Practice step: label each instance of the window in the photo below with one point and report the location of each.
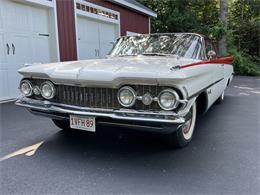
(210, 46)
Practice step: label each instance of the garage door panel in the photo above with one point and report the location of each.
(22, 27)
(87, 50)
(95, 38)
(81, 28)
(21, 14)
(107, 32)
(88, 38)
(40, 23)
(13, 83)
(3, 50)
(107, 37)
(21, 50)
(105, 48)
(87, 29)
(40, 50)
(1, 16)
(4, 93)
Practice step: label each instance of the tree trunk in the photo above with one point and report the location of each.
(222, 45)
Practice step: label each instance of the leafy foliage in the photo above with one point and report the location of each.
(202, 16)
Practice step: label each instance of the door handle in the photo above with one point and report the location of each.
(13, 48)
(8, 48)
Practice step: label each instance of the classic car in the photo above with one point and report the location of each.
(153, 82)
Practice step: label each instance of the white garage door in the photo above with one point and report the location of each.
(95, 38)
(24, 38)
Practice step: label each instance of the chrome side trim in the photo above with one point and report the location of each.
(122, 114)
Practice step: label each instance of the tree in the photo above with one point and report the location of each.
(234, 26)
(222, 45)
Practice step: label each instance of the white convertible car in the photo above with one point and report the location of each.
(154, 82)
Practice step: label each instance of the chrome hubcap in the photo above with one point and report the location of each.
(186, 126)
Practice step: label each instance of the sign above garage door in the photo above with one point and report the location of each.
(97, 30)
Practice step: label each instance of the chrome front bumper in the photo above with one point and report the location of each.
(62, 111)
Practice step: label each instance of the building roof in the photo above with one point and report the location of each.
(135, 5)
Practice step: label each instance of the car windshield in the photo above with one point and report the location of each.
(182, 45)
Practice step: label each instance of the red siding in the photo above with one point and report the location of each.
(129, 19)
(66, 29)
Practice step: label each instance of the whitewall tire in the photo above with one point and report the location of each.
(183, 135)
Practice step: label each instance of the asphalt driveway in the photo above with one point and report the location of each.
(224, 157)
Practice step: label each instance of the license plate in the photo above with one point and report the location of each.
(83, 122)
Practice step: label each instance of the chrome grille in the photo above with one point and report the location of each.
(95, 97)
(87, 96)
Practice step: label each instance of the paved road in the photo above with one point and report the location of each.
(224, 156)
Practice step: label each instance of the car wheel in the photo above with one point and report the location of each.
(184, 133)
(62, 124)
(221, 98)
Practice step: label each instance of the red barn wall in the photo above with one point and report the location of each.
(66, 30)
(129, 19)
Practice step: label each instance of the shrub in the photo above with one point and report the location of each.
(245, 64)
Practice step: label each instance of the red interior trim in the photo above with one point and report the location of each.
(224, 60)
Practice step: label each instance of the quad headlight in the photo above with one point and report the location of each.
(126, 96)
(26, 88)
(168, 99)
(47, 90)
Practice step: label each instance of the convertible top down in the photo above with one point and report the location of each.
(155, 82)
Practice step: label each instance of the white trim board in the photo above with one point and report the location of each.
(95, 16)
(137, 8)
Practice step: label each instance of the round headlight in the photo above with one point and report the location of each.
(126, 96)
(168, 99)
(47, 90)
(26, 88)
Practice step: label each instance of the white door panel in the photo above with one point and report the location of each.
(20, 50)
(3, 68)
(25, 29)
(88, 39)
(20, 47)
(107, 37)
(16, 17)
(40, 52)
(1, 16)
(13, 83)
(4, 93)
(95, 38)
(3, 50)
(87, 50)
(40, 23)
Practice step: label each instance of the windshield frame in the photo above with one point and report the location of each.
(198, 55)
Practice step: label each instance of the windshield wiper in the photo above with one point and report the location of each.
(127, 55)
(157, 54)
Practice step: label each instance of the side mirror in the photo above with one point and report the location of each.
(211, 54)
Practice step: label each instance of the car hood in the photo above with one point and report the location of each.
(111, 71)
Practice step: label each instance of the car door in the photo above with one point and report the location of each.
(216, 74)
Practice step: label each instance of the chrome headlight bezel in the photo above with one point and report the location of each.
(53, 90)
(132, 91)
(174, 104)
(30, 86)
